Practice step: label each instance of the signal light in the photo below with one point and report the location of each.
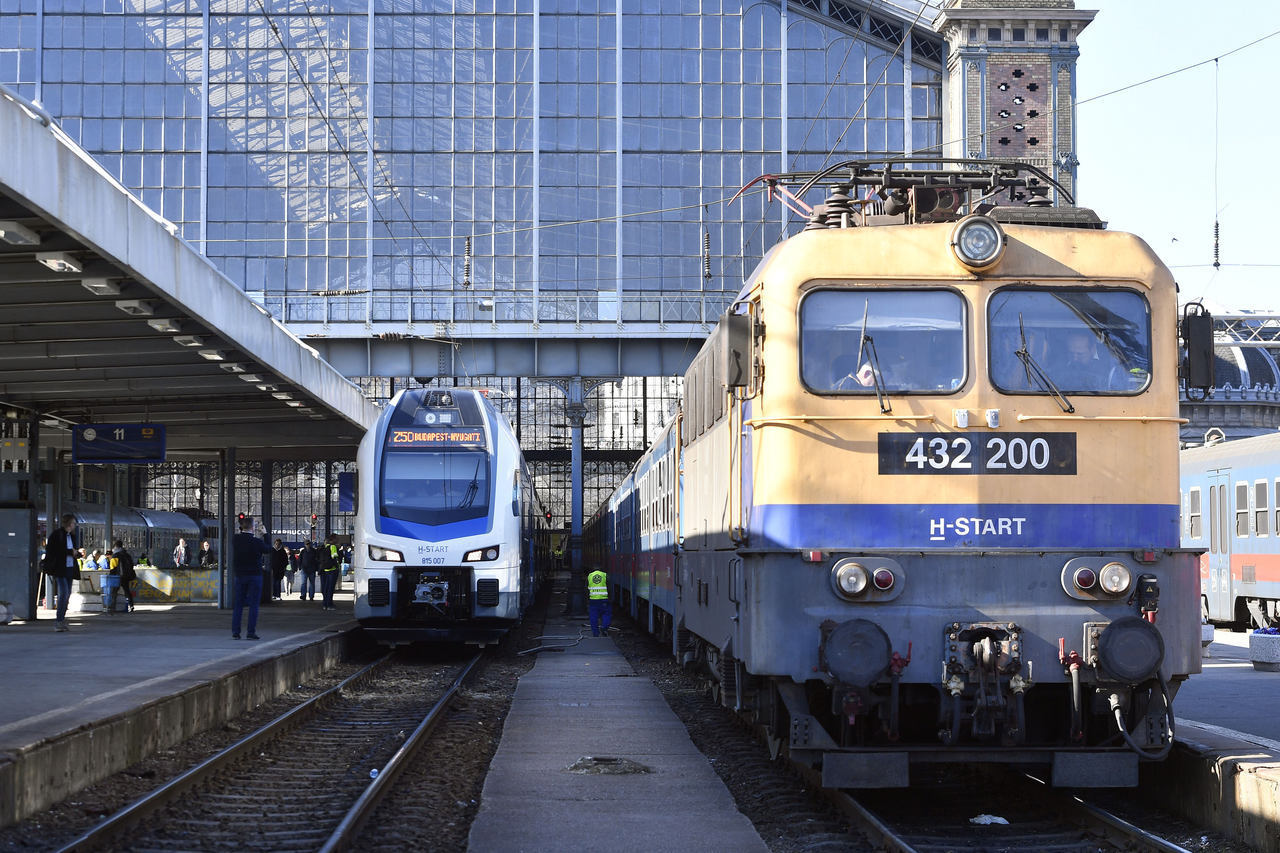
(241, 516)
(313, 518)
(548, 516)
(883, 579)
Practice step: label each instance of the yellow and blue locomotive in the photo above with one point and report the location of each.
(924, 502)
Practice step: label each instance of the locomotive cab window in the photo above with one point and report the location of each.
(1078, 341)
(903, 341)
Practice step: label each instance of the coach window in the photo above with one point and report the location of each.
(1261, 509)
(1242, 509)
(1083, 341)
(1194, 523)
(905, 341)
(1276, 505)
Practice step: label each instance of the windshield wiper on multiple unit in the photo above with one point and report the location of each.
(473, 488)
(868, 344)
(1036, 372)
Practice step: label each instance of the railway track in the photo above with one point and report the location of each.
(957, 816)
(305, 781)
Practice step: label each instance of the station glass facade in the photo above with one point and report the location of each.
(335, 157)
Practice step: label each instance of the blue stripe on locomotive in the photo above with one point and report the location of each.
(1038, 526)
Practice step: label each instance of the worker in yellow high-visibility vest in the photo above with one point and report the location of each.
(598, 597)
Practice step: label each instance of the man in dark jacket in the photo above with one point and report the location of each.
(247, 552)
(309, 563)
(279, 565)
(60, 564)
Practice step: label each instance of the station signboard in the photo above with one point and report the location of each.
(128, 444)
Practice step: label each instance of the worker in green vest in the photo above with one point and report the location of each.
(598, 594)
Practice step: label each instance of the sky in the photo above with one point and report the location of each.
(1147, 155)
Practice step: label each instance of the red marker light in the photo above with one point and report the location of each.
(883, 579)
(812, 556)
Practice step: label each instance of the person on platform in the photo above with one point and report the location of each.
(598, 602)
(330, 565)
(122, 565)
(180, 554)
(309, 563)
(247, 552)
(60, 564)
(279, 565)
(205, 558)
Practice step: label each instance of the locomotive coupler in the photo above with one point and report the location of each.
(985, 655)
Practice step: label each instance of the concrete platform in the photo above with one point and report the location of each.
(1224, 771)
(78, 706)
(593, 758)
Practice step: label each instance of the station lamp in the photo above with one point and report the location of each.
(18, 235)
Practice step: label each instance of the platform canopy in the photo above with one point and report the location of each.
(107, 317)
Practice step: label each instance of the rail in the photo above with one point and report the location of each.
(134, 813)
(345, 834)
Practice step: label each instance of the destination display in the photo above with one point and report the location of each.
(416, 437)
(129, 444)
(977, 453)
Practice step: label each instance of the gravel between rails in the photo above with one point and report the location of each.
(789, 816)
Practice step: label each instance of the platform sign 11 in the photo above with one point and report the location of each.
(129, 444)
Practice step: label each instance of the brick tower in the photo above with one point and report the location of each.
(1011, 81)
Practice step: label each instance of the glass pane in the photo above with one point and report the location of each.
(908, 341)
(437, 487)
(1083, 341)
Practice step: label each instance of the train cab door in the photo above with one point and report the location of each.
(1221, 529)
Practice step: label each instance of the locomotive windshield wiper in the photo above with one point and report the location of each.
(865, 342)
(1036, 372)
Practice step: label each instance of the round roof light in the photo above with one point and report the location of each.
(978, 242)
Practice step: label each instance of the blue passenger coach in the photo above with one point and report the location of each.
(450, 537)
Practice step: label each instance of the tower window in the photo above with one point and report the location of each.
(1031, 87)
(1019, 34)
(1018, 99)
(993, 34)
(1003, 87)
(1004, 114)
(1004, 140)
(1062, 34)
(1033, 140)
(1017, 72)
(1042, 34)
(1032, 113)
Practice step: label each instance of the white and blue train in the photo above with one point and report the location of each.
(450, 538)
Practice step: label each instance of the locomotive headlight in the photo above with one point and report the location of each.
(1115, 578)
(978, 242)
(385, 555)
(849, 578)
(481, 555)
